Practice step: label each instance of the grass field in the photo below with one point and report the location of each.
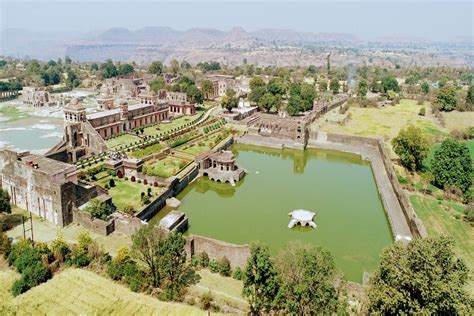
(81, 292)
(166, 167)
(445, 218)
(147, 151)
(458, 120)
(125, 139)
(127, 192)
(201, 145)
(165, 127)
(385, 122)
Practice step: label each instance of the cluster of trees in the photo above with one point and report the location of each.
(109, 69)
(36, 262)
(300, 280)
(268, 96)
(51, 73)
(10, 86)
(187, 85)
(451, 165)
(423, 277)
(209, 66)
(301, 99)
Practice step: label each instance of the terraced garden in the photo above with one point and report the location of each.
(128, 193)
(122, 140)
(166, 167)
(174, 124)
(205, 144)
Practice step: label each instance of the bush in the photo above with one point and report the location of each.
(133, 179)
(206, 301)
(203, 259)
(111, 183)
(469, 213)
(237, 274)
(24, 257)
(128, 209)
(19, 286)
(422, 112)
(224, 267)
(98, 209)
(36, 274)
(213, 266)
(5, 245)
(139, 181)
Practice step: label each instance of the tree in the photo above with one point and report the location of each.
(5, 206)
(390, 83)
(277, 86)
(156, 68)
(108, 69)
(412, 147)
(470, 95)
(268, 101)
(68, 60)
(323, 85)
(207, 88)
(452, 165)
(312, 70)
(422, 278)
(425, 87)
(157, 84)
(174, 65)
(256, 94)
(334, 86)
(98, 209)
(125, 69)
(94, 67)
(146, 247)
(194, 94)
(260, 279)
(446, 99)
(362, 88)
(256, 82)
(229, 103)
(307, 275)
(224, 267)
(295, 103)
(176, 274)
(308, 94)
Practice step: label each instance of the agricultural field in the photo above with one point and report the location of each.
(385, 122)
(122, 140)
(126, 192)
(166, 167)
(76, 291)
(445, 218)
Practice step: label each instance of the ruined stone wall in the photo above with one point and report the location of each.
(127, 226)
(237, 254)
(94, 224)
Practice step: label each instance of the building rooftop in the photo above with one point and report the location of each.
(47, 165)
(115, 111)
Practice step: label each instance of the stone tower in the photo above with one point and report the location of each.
(74, 115)
(124, 110)
(105, 100)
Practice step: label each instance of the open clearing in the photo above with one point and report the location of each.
(385, 122)
(439, 218)
(81, 292)
(458, 120)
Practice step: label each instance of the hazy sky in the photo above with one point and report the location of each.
(438, 20)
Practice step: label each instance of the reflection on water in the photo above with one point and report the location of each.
(338, 187)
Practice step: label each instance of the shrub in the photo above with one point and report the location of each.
(126, 178)
(106, 186)
(25, 257)
(19, 286)
(206, 301)
(155, 184)
(422, 112)
(139, 181)
(224, 267)
(111, 183)
(60, 248)
(469, 213)
(128, 209)
(145, 182)
(213, 265)
(203, 259)
(133, 179)
(5, 244)
(36, 274)
(146, 200)
(237, 274)
(98, 209)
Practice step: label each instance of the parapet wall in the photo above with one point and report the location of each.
(94, 224)
(237, 254)
(416, 227)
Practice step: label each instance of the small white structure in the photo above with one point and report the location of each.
(302, 217)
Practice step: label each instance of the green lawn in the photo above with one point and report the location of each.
(445, 218)
(165, 127)
(155, 148)
(124, 139)
(127, 192)
(385, 122)
(166, 167)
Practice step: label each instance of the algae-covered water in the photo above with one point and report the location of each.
(338, 187)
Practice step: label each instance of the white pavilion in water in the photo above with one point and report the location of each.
(302, 217)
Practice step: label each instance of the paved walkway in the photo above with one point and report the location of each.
(394, 211)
